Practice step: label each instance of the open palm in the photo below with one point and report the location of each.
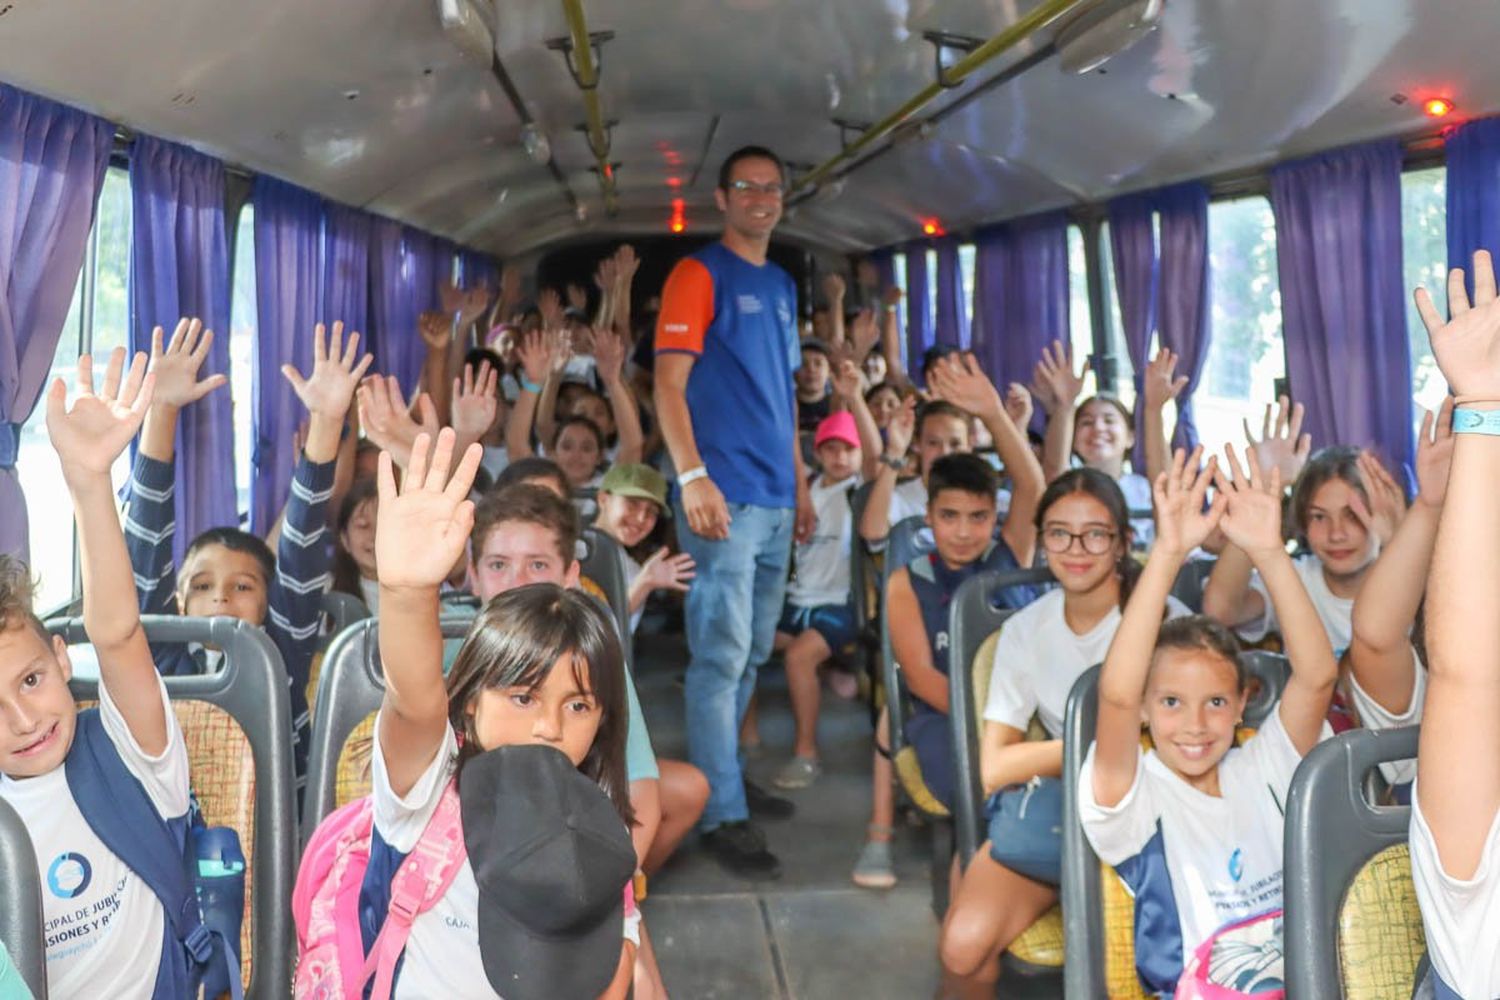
(90, 436)
(175, 364)
(1182, 522)
(1467, 347)
(1253, 518)
(424, 525)
(337, 369)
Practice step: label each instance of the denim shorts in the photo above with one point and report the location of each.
(834, 622)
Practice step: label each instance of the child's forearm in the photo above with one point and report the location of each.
(1392, 590)
(411, 654)
(1122, 682)
(110, 613)
(159, 433)
(1020, 762)
(1154, 441)
(627, 419)
(874, 522)
(1057, 442)
(1228, 587)
(518, 427)
(869, 437)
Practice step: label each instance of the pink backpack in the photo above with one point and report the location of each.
(332, 964)
(1242, 959)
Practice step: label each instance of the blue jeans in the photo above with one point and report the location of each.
(732, 610)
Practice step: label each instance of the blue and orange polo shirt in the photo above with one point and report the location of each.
(739, 320)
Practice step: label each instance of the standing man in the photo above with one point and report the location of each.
(726, 348)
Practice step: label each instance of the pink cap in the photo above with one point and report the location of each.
(838, 427)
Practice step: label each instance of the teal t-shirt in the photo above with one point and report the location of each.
(640, 759)
(12, 986)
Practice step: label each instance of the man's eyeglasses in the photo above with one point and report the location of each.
(1095, 541)
(775, 188)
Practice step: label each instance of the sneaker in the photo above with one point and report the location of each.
(843, 684)
(765, 805)
(873, 869)
(799, 772)
(741, 849)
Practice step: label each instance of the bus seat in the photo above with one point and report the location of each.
(21, 903)
(341, 610)
(1348, 875)
(1188, 587)
(1098, 910)
(349, 695)
(237, 727)
(602, 564)
(901, 548)
(862, 577)
(973, 632)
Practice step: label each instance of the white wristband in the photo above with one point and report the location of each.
(692, 475)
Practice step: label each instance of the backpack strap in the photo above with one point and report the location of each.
(120, 812)
(422, 879)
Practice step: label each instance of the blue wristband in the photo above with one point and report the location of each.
(530, 386)
(1476, 422)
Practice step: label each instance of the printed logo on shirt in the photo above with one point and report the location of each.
(675, 327)
(69, 875)
(750, 305)
(1237, 864)
(783, 312)
(941, 641)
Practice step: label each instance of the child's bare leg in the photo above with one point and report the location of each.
(684, 793)
(803, 657)
(992, 907)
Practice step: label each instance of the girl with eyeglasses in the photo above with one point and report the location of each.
(1084, 531)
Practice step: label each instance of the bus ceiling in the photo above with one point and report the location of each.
(518, 125)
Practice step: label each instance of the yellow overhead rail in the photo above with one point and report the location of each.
(1043, 16)
(586, 75)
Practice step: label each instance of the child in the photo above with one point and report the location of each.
(354, 570)
(818, 619)
(1196, 809)
(226, 571)
(540, 666)
(1043, 649)
(1455, 816)
(1100, 432)
(961, 513)
(124, 949)
(632, 498)
(814, 400)
(1345, 508)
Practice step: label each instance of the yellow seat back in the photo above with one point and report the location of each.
(1380, 940)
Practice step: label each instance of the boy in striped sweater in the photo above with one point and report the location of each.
(226, 571)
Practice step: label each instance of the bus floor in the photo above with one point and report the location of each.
(811, 934)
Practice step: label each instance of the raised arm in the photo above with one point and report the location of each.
(1162, 385)
(1057, 389)
(559, 353)
(960, 381)
(1458, 766)
(1253, 524)
(847, 387)
(609, 357)
(1182, 523)
(890, 336)
(626, 264)
(663, 571)
(833, 293)
(534, 354)
(1381, 654)
(88, 438)
(421, 533)
(388, 422)
(875, 522)
(476, 404)
(436, 331)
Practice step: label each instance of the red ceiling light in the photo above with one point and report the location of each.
(1437, 107)
(678, 222)
(931, 227)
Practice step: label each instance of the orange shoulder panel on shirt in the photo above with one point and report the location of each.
(687, 308)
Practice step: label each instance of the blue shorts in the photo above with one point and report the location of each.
(834, 622)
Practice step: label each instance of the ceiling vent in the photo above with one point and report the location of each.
(1103, 31)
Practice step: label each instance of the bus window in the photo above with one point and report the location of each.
(1424, 251)
(242, 352)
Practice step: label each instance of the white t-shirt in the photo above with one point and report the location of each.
(1459, 916)
(370, 591)
(103, 925)
(632, 570)
(1038, 658)
(1137, 490)
(1337, 613)
(1223, 854)
(1373, 716)
(822, 562)
(442, 955)
(496, 460)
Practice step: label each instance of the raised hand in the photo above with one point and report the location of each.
(609, 354)
(424, 526)
(902, 427)
(1160, 385)
(436, 329)
(891, 297)
(451, 298)
(848, 382)
(626, 263)
(476, 401)
(864, 333)
(386, 421)
(1182, 522)
(959, 380)
(472, 304)
(336, 372)
(1387, 506)
(559, 350)
(549, 304)
(833, 289)
(578, 297)
(1018, 405)
(1055, 385)
(1467, 347)
(89, 437)
(605, 274)
(1435, 455)
(1282, 445)
(176, 365)
(1253, 518)
(535, 352)
(664, 571)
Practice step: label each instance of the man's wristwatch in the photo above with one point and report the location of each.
(897, 464)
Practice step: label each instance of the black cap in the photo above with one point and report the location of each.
(552, 859)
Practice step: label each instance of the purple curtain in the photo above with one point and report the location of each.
(1184, 304)
(1473, 151)
(952, 313)
(479, 269)
(179, 266)
(393, 310)
(1132, 242)
(288, 266)
(1020, 295)
(1338, 248)
(52, 162)
(346, 269)
(919, 334)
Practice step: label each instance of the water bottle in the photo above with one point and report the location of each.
(220, 885)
